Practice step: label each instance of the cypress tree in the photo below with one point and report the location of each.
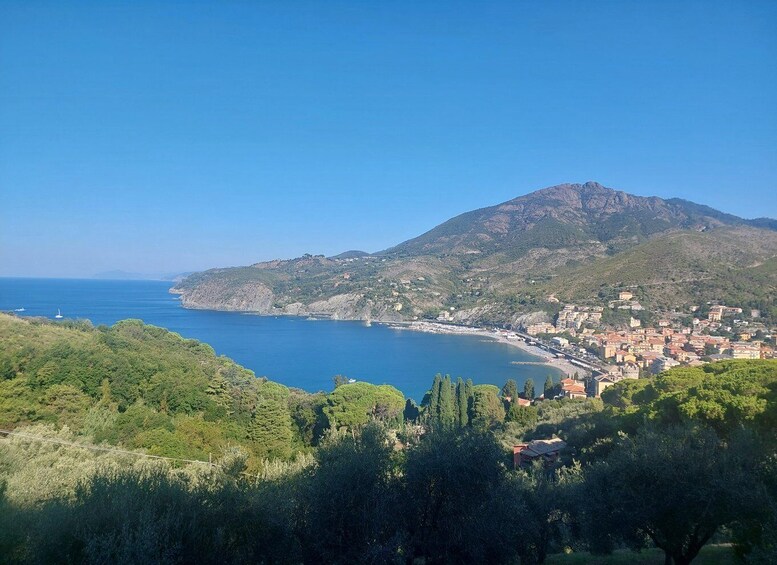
(462, 403)
(434, 399)
(469, 393)
(447, 407)
(528, 389)
(548, 390)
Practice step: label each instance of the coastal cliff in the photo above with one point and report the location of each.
(258, 298)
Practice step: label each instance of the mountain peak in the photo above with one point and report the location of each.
(570, 191)
(562, 216)
(584, 190)
(589, 197)
(590, 185)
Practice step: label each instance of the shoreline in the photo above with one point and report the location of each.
(563, 365)
(544, 358)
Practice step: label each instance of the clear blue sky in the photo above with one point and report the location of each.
(170, 136)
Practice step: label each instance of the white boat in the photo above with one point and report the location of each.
(19, 309)
(59, 314)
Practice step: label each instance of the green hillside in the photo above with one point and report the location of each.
(143, 387)
(681, 464)
(733, 265)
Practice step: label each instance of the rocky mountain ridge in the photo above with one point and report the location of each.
(584, 212)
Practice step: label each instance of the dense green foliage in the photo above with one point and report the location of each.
(358, 474)
(143, 387)
(356, 404)
(360, 502)
(724, 396)
(675, 487)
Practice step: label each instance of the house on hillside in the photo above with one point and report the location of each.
(715, 314)
(625, 357)
(570, 388)
(601, 382)
(630, 371)
(662, 364)
(545, 450)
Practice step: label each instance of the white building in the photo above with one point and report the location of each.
(560, 341)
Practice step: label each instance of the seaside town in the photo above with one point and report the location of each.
(594, 356)
(725, 332)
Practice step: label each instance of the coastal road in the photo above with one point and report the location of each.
(594, 368)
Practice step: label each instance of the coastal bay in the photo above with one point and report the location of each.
(292, 350)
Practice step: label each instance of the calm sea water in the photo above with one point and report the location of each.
(294, 351)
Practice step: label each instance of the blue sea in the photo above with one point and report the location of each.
(294, 351)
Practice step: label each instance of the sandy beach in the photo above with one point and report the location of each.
(543, 356)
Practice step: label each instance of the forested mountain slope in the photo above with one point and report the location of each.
(496, 263)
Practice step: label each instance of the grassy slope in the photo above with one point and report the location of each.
(682, 268)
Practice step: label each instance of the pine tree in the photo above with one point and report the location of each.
(340, 380)
(270, 429)
(219, 390)
(462, 403)
(411, 411)
(510, 390)
(488, 408)
(447, 408)
(528, 389)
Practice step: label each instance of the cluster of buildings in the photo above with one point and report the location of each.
(574, 317)
(726, 332)
(571, 319)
